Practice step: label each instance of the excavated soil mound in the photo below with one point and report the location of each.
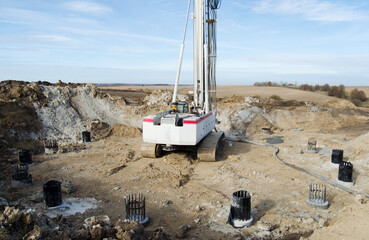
(120, 130)
(33, 112)
(158, 101)
(99, 129)
(252, 114)
(19, 223)
(17, 120)
(19, 91)
(339, 227)
(257, 124)
(337, 104)
(18, 117)
(70, 109)
(234, 99)
(158, 98)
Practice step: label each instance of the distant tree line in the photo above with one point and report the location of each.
(272, 84)
(356, 96)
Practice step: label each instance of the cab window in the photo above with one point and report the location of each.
(183, 108)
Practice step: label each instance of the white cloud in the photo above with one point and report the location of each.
(314, 10)
(232, 46)
(24, 16)
(81, 21)
(84, 6)
(53, 38)
(166, 12)
(122, 34)
(240, 5)
(9, 21)
(41, 19)
(230, 25)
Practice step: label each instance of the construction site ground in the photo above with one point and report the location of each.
(180, 190)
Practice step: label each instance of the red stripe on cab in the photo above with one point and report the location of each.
(148, 120)
(198, 120)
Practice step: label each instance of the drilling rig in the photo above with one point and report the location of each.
(191, 127)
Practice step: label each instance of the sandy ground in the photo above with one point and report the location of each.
(180, 190)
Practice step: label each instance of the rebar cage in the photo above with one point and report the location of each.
(136, 208)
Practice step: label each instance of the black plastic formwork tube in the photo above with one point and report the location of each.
(25, 156)
(337, 156)
(345, 171)
(136, 209)
(240, 212)
(52, 193)
(86, 136)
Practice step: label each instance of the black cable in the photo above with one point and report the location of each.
(215, 4)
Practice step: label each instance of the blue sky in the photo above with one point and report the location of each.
(303, 41)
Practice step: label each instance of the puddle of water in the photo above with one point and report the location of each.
(72, 206)
(274, 140)
(325, 152)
